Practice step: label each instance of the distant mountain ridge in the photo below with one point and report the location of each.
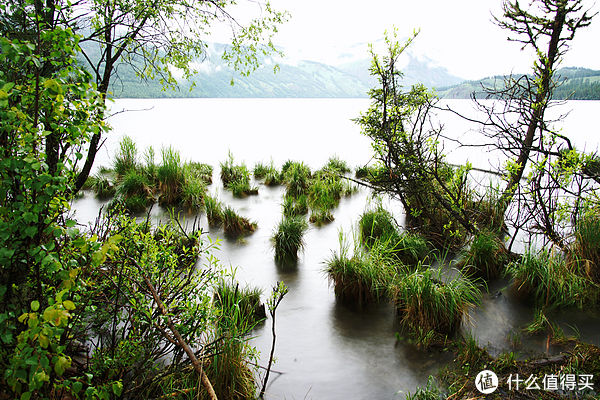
(575, 84)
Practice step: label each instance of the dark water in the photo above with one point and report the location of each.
(325, 350)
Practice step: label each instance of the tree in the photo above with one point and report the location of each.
(518, 124)
(153, 36)
(411, 165)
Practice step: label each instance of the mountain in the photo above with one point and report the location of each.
(575, 84)
(347, 78)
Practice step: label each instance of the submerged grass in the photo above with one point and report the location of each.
(288, 238)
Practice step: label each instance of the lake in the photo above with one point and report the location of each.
(325, 350)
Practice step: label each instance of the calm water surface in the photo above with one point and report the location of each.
(325, 350)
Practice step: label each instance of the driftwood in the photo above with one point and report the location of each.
(177, 336)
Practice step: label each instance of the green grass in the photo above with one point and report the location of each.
(171, 177)
(126, 158)
(246, 300)
(185, 245)
(425, 303)
(260, 170)
(362, 277)
(236, 178)
(102, 187)
(200, 171)
(214, 210)
(296, 176)
(335, 164)
(324, 195)
(273, 177)
(485, 257)
(551, 279)
(288, 238)
(235, 225)
(135, 191)
(586, 247)
(150, 169)
(295, 206)
(192, 195)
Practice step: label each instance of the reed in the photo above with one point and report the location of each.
(288, 238)
(586, 247)
(425, 303)
(192, 195)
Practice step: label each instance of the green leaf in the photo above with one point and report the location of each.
(61, 365)
(76, 387)
(35, 305)
(69, 305)
(117, 388)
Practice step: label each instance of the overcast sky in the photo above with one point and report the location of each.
(456, 34)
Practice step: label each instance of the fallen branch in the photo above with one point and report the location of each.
(180, 341)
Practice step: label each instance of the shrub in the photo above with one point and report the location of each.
(287, 238)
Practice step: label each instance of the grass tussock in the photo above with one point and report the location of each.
(102, 186)
(361, 277)
(295, 206)
(288, 238)
(551, 279)
(335, 164)
(236, 178)
(245, 299)
(235, 225)
(485, 257)
(126, 158)
(214, 210)
(586, 247)
(378, 225)
(171, 177)
(135, 192)
(425, 303)
(296, 176)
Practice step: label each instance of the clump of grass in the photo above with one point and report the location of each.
(192, 195)
(246, 300)
(323, 196)
(335, 164)
(126, 158)
(485, 257)
(430, 392)
(135, 192)
(273, 177)
(236, 178)
(586, 247)
(378, 225)
(102, 186)
(229, 369)
(287, 238)
(200, 171)
(361, 277)
(425, 303)
(551, 279)
(296, 176)
(235, 225)
(150, 169)
(260, 170)
(214, 210)
(295, 206)
(171, 177)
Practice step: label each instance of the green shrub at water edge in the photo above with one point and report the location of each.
(288, 237)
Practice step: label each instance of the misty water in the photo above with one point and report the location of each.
(324, 350)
